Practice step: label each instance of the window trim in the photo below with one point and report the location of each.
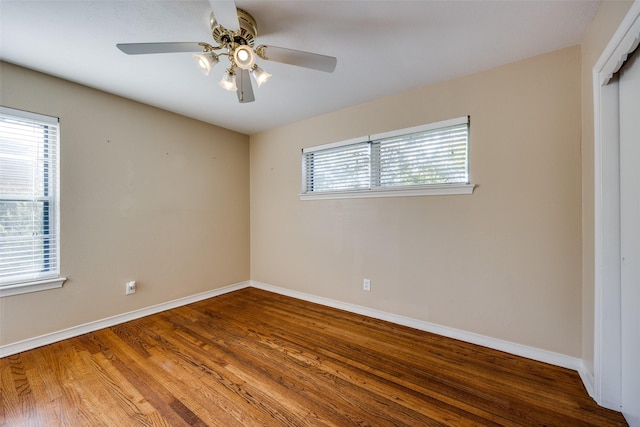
(422, 190)
(41, 282)
(400, 191)
(27, 287)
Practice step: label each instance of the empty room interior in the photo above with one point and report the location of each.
(258, 256)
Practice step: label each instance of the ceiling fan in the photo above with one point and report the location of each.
(235, 31)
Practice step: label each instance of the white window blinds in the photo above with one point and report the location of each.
(428, 157)
(433, 154)
(29, 240)
(339, 169)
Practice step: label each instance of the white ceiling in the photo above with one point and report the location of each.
(383, 47)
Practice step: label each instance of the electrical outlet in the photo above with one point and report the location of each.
(366, 284)
(130, 287)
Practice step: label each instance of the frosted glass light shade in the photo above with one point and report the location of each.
(260, 75)
(206, 61)
(244, 57)
(228, 81)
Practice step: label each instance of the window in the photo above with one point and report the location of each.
(29, 239)
(428, 159)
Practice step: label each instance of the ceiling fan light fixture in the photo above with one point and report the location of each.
(244, 57)
(206, 61)
(235, 30)
(228, 81)
(260, 75)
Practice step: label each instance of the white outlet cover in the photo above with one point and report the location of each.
(130, 287)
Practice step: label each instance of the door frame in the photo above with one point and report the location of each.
(607, 325)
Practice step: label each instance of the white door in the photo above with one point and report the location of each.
(629, 87)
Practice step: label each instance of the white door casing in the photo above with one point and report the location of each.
(608, 370)
(629, 96)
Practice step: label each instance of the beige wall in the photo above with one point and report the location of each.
(146, 195)
(503, 262)
(604, 24)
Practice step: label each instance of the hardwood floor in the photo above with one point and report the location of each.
(253, 358)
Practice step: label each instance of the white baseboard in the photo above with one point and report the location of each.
(31, 343)
(533, 353)
(588, 380)
(497, 344)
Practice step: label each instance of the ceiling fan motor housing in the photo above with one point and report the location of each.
(246, 35)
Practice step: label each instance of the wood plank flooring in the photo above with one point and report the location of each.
(254, 358)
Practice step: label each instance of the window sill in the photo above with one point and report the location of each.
(431, 190)
(24, 288)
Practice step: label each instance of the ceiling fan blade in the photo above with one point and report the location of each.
(298, 58)
(226, 13)
(245, 90)
(145, 48)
